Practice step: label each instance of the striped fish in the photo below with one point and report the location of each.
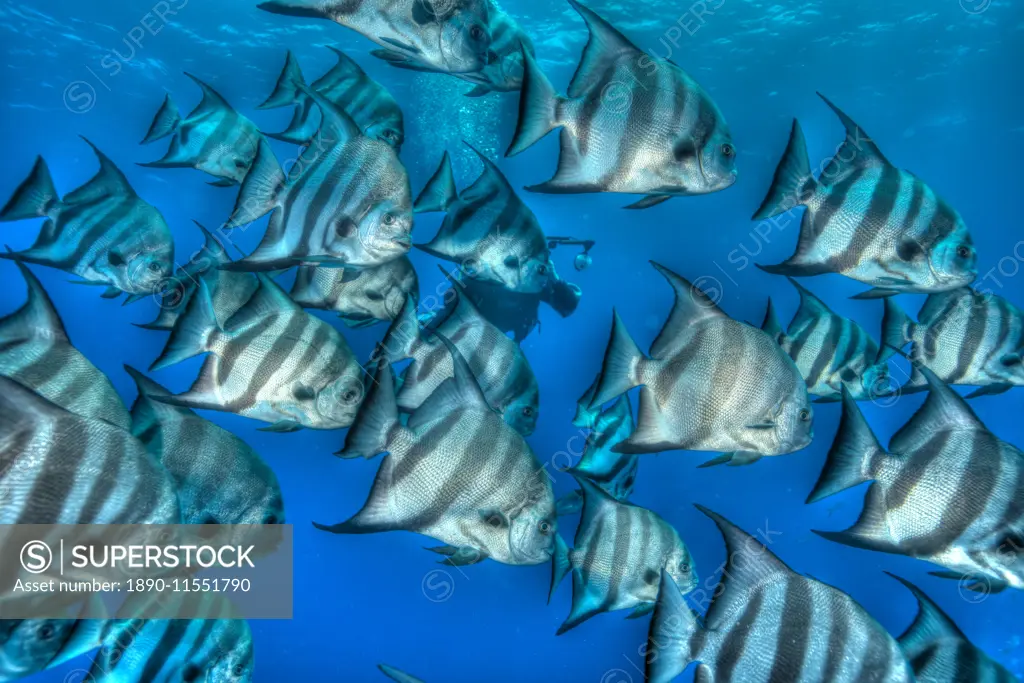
(621, 553)
(365, 100)
(456, 473)
(940, 652)
(103, 232)
(220, 479)
(57, 467)
(768, 623)
(964, 337)
(487, 230)
(345, 202)
(830, 351)
(213, 138)
(396, 675)
(36, 352)
(497, 362)
(630, 124)
(451, 36)
(359, 297)
(272, 362)
(504, 69)
(516, 312)
(868, 220)
(753, 401)
(28, 646)
(947, 491)
(174, 650)
(229, 290)
(614, 473)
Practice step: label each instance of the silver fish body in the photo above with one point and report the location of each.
(947, 491)
(55, 468)
(452, 37)
(869, 220)
(456, 473)
(213, 138)
(220, 479)
(940, 652)
(498, 363)
(710, 383)
(272, 362)
(614, 473)
(620, 553)
(359, 297)
(487, 230)
(630, 124)
(103, 231)
(28, 646)
(831, 352)
(366, 101)
(768, 623)
(964, 337)
(345, 202)
(36, 352)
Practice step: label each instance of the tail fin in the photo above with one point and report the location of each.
(793, 184)
(378, 415)
(771, 323)
(620, 371)
(35, 196)
(286, 91)
(192, 331)
(897, 330)
(850, 460)
(301, 129)
(538, 107)
(165, 122)
(440, 191)
(260, 188)
(672, 628)
(37, 314)
(402, 335)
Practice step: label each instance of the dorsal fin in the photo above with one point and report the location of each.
(811, 307)
(345, 68)
(212, 245)
(943, 410)
(749, 563)
(108, 180)
(336, 126)
(691, 306)
(605, 45)
(595, 501)
(462, 310)
(490, 180)
(857, 151)
(440, 192)
(37, 314)
(285, 90)
(931, 624)
(460, 392)
(212, 100)
(268, 299)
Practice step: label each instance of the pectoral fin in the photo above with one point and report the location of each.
(459, 557)
(641, 610)
(282, 426)
(649, 201)
(876, 293)
(990, 390)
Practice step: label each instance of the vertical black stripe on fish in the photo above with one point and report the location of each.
(317, 206)
(967, 662)
(923, 659)
(1013, 515)
(621, 550)
(974, 335)
(794, 636)
(308, 168)
(273, 361)
(838, 642)
(41, 371)
(913, 469)
(934, 331)
(238, 346)
(647, 539)
(822, 217)
(676, 366)
(735, 641)
(1003, 315)
(469, 209)
(974, 489)
(433, 359)
(165, 649)
(876, 660)
(872, 222)
(199, 640)
(826, 354)
(423, 446)
(80, 385)
(103, 487)
(589, 563)
(916, 203)
(639, 116)
(592, 103)
(453, 486)
(53, 485)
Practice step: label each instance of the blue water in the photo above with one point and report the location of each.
(938, 87)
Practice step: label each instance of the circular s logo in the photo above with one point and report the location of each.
(36, 557)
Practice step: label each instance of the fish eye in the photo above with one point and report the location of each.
(46, 631)
(476, 33)
(805, 415)
(270, 519)
(542, 269)
(389, 219)
(684, 567)
(154, 267)
(349, 396)
(374, 296)
(238, 671)
(528, 411)
(495, 520)
(728, 150)
(544, 527)
(963, 251)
